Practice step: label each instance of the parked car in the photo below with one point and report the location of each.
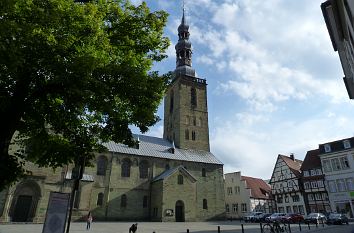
(335, 218)
(251, 216)
(261, 217)
(292, 218)
(315, 218)
(276, 217)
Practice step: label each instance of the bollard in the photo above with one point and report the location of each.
(308, 224)
(316, 224)
(300, 226)
(322, 223)
(218, 229)
(289, 227)
(187, 230)
(243, 231)
(260, 225)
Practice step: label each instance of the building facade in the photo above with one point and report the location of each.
(337, 159)
(313, 180)
(174, 178)
(245, 194)
(338, 15)
(286, 185)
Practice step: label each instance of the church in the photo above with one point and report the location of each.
(171, 179)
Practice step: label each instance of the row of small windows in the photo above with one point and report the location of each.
(317, 196)
(235, 208)
(335, 164)
(314, 184)
(340, 185)
(126, 167)
(312, 172)
(230, 190)
(126, 164)
(285, 184)
(186, 136)
(280, 199)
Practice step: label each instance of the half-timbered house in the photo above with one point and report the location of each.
(285, 184)
(315, 194)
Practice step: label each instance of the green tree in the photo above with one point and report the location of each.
(74, 75)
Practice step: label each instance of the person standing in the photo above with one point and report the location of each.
(88, 220)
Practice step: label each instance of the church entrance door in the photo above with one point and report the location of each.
(23, 206)
(24, 202)
(179, 211)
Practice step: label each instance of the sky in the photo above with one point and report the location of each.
(274, 81)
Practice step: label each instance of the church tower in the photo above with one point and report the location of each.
(185, 104)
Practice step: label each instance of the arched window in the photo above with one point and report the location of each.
(186, 134)
(123, 201)
(194, 121)
(203, 172)
(126, 163)
(100, 199)
(180, 179)
(171, 102)
(193, 135)
(227, 207)
(101, 165)
(144, 169)
(193, 97)
(187, 120)
(205, 204)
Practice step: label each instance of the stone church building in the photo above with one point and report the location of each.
(174, 178)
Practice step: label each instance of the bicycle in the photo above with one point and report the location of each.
(275, 227)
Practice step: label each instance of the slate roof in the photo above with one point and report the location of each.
(258, 187)
(294, 165)
(336, 145)
(169, 172)
(312, 160)
(160, 148)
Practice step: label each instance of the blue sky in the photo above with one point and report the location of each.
(274, 81)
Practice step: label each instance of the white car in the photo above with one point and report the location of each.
(251, 216)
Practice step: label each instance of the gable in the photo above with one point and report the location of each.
(171, 172)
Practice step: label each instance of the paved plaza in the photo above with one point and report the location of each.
(173, 227)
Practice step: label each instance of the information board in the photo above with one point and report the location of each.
(57, 210)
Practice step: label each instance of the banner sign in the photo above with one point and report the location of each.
(57, 210)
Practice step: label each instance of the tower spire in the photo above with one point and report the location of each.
(184, 49)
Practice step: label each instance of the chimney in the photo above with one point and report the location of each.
(292, 156)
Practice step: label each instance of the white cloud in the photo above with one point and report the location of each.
(264, 46)
(205, 59)
(253, 149)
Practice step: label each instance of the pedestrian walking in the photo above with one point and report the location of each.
(89, 219)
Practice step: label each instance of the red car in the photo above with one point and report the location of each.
(292, 218)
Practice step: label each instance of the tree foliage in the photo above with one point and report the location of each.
(74, 75)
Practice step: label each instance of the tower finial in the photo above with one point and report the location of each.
(183, 9)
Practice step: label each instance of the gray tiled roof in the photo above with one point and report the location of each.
(159, 148)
